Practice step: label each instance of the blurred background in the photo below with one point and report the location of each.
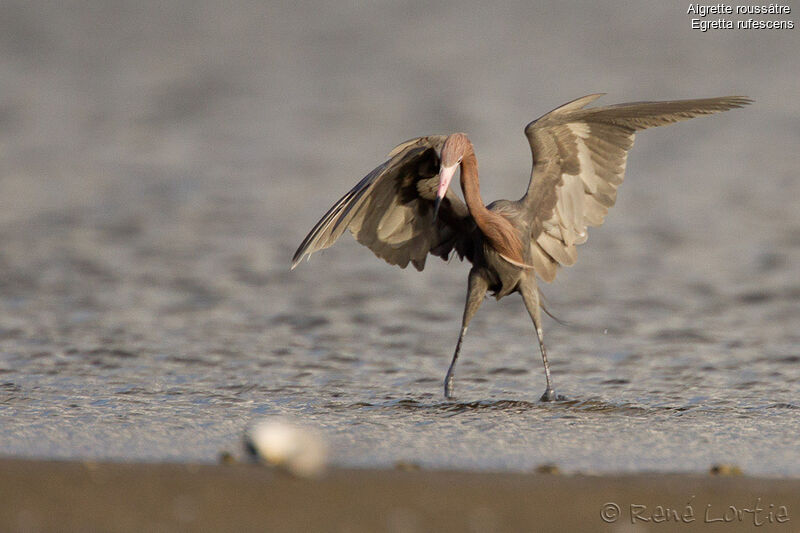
(160, 162)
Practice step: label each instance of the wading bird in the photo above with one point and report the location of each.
(403, 210)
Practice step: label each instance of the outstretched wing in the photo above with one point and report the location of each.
(390, 211)
(579, 161)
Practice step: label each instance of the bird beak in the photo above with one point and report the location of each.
(445, 176)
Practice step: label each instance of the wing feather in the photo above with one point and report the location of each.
(579, 158)
(391, 211)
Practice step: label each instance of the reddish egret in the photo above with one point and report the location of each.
(403, 210)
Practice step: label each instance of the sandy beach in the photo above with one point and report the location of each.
(120, 497)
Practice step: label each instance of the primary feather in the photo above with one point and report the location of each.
(391, 210)
(579, 160)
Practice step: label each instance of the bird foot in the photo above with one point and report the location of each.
(549, 396)
(448, 387)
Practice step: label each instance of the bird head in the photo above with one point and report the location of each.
(455, 146)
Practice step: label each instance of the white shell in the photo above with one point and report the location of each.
(299, 450)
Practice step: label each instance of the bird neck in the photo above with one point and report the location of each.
(497, 229)
(471, 186)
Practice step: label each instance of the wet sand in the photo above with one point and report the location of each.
(89, 496)
(161, 161)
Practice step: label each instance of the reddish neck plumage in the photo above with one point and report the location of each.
(470, 184)
(497, 229)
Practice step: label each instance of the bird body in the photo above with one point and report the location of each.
(404, 209)
(504, 271)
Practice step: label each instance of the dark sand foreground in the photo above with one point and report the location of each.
(83, 496)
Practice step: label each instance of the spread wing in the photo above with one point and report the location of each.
(390, 211)
(579, 161)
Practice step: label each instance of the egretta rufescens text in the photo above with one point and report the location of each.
(403, 210)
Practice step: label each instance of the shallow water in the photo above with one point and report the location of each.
(159, 165)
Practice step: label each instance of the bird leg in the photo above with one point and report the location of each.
(549, 394)
(476, 290)
(530, 295)
(448, 378)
